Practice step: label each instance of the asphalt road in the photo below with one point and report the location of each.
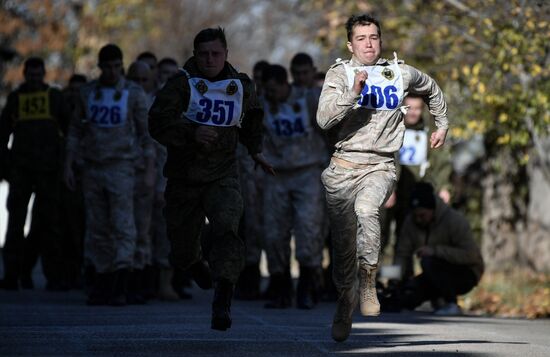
(41, 323)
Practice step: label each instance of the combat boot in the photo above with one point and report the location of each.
(221, 305)
(341, 324)
(136, 294)
(367, 290)
(119, 288)
(100, 291)
(282, 290)
(248, 286)
(166, 290)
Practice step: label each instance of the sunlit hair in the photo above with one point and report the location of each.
(210, 34)
(361, 20)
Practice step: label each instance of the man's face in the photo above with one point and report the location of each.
(152, 63)
(166, 71)
(303, 75)
(365, 44)
(275, 92)
(111, 71)
(142, 75)
(34, 76)
(210, 57)
(423, 216)
(414, 113)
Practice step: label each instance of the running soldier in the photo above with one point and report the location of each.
(293, 200)
(360, 104)
(33, 114)
(109, 133)
(200, 115)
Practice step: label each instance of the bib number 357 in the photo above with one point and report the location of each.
(218, 111)
(378, 97)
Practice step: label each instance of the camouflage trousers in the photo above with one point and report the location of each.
(354, 197)
(293, 203)
(110, 239)
(161, 244)
(143, 211)
(252, 221)
(187, 206)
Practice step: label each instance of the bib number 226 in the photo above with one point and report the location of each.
(218, 111)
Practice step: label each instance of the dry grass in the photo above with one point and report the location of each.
(516, 294)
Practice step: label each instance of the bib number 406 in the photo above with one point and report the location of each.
(378, 97)
(217, 111)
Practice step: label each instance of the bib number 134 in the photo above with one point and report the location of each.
(378, 97)
(218, 111)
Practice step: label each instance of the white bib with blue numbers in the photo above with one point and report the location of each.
(414, 151)
(109, 109)
(383, 88)
(290, 121)
(217, 103)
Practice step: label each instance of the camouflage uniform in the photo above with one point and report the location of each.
(108, 133)
(32, 165)
(362, 173)
(143, 207)
(203, 181)
(252, 183)
(160, 242)
(294, 198)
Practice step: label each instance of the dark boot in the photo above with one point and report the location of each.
(221, 305)
(307, 293)
(283, 290)
(135, 295)
(119, 288)
(201, 274)
(180, 280)
(100, 292)
(150, 282)
(248, 286)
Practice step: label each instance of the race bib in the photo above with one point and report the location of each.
(109, 109)
(383, 88)
(34, 106)
(415, 148)
(215, 103)
(291, 119)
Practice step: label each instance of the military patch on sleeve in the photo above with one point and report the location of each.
(388, 74)
(201, 87)
(231, 88)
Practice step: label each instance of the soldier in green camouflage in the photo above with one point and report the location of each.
(200, 115)
(33, 114)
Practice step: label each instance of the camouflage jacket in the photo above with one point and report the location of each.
(100, 136)
(187, 159)
(367, 136)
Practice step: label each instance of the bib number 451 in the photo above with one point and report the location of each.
(218, 111)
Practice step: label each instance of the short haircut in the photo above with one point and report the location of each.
(301, 59)
(78, 78)
(109, 52)
(275, 72)
(167, 60)
(362, 20)
(34, 62)
(260, 66)
(147, 54)
(210, 34)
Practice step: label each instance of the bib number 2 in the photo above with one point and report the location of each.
(377, 97)
(217, 111)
